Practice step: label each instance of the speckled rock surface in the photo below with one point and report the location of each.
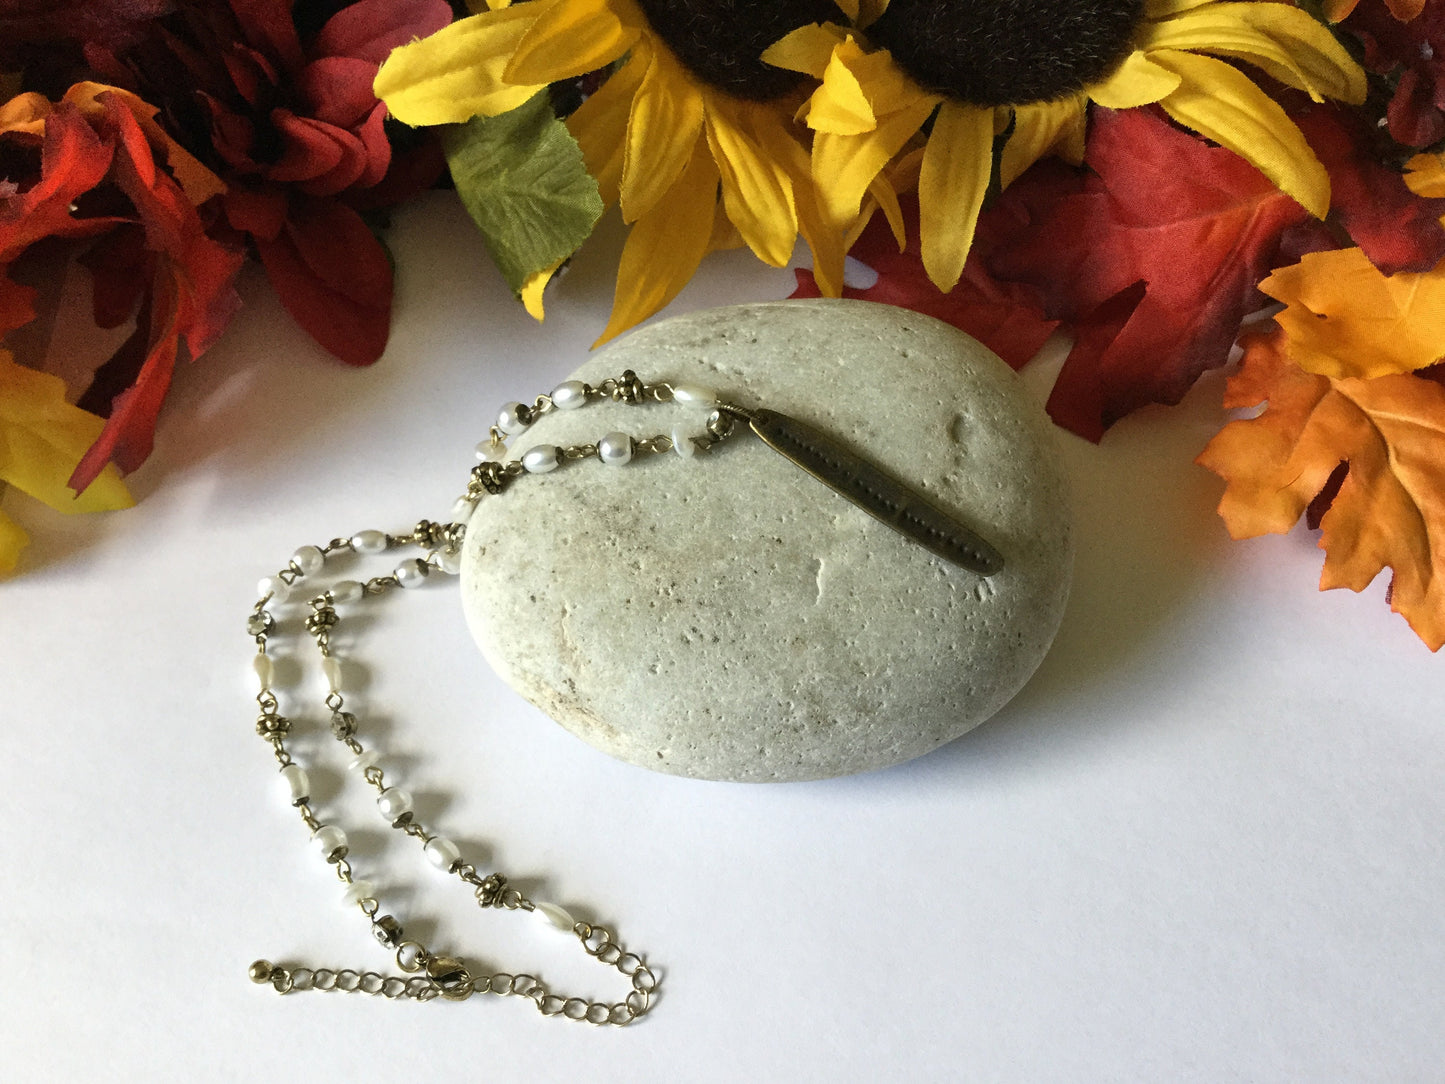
(728, 616)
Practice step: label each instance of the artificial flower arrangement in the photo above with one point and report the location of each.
(1142, 174)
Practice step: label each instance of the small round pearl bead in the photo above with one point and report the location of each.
(369, 541)
(541, 459)
(569, 395)
(330, 841)
(265, 670)
(412, 573)
(514, 418)
(489, 452)
(276, 587)
(615, 449)
(345, 592)
(442, 853)
(368, 759)
(357, 891)
(555, 917)
(308, 559)
(297, 785)
(394, 804)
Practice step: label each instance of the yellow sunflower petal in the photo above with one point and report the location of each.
(573, 38)
(13, 539)
(599, 124)
(839, 104)
(1425, 175)
(824, 238)
(531, 293)
(1287, 43)
(665, 245)
(844, 166)
(456, 73)
(1221, 103)
(756, 192)
(1042, 128)
(957, 164)
(662, 133)
(885, 197)
(1137, 81)
(807, 49)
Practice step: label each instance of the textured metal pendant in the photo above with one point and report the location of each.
(876, 492)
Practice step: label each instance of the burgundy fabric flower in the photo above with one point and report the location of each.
(1414, 51)
(288, 119)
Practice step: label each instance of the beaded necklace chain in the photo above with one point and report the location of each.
(427, 974)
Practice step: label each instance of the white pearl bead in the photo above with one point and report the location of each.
(442, 853)
(265, 670)
(489, 451)
(569, 395)
(308, 559)
(369, 541)
(615, 449)
(554, 916)
(368, 759)
(297, 784)
(276, 587)
(412, 574)
(394, 804)
(462, 510)
(682, 443)
(328, 839)
(541, 459)
(345, 592)
(357, 891)
(449, 561)
(331, 668)
(694, 395)
(514, 418)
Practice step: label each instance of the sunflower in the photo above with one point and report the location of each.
(700, 153)
(1030, 80)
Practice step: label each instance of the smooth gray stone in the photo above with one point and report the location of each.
(728, 616)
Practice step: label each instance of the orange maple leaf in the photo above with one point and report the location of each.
(1389, 435)
(1346, 319)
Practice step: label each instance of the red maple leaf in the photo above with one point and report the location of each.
(1153, 264)
(1005, 316)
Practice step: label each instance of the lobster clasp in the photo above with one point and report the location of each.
(451, 977)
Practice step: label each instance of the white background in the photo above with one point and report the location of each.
(1204, 844)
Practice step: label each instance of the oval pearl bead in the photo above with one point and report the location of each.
(369, 541)
(357, 891)
(694, 395)
(308, 559)
(541, 459)
(369, 758)
(331, 668)
(265, 670)
(346, 592)
(276, 587)
(615, 449)
(555, 917)
(394, 804)
(329, 840)
(442, 853)
(412, 574)
(682, 443)
(462, 510)
(514, 418)
(297, 784)
(569, 395)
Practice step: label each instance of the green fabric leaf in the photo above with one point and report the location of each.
(522, 179)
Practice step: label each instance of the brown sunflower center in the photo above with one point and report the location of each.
(720, 41)
(1007, 52)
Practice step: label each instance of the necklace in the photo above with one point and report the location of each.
(427, 974)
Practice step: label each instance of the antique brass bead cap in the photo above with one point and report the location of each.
(1007, 52)
(721, 41)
